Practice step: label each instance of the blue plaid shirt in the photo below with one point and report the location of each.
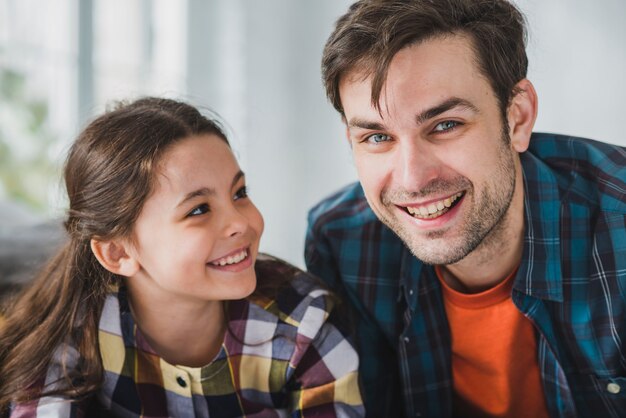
(571, 284)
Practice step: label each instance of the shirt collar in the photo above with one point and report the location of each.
(540, 273)
(410, 273)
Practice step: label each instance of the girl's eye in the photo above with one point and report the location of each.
(378, 138)
(242, 193)
(446, 126)
(199, 210)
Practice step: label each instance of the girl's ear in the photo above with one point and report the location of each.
(521, 115)
(114, 255)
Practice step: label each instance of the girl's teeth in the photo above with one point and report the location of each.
(234, 259)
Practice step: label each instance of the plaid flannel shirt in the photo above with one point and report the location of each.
(280, 358)
(571, 284)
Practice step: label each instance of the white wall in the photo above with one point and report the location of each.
(577, 53)
(289, 140)
(257, 62)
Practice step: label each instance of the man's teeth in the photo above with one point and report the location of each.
(233, 259)
(435, 209)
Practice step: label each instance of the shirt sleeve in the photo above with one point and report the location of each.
(325, 379)
(49, 407)
(64, 358)
(318, 257)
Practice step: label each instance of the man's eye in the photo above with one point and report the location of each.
(446, 126)
(242, 193)
(199, 210)
(378, 138)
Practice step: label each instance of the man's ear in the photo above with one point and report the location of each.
(114, 255)
(521, 115)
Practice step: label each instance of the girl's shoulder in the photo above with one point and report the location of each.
(292, 295)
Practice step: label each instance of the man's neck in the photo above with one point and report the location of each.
(474, 276)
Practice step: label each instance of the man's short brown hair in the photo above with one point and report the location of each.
(372, 32)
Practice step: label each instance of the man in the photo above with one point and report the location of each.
(485, 264)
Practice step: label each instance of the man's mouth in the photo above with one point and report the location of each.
(231, 259)
(434, 209)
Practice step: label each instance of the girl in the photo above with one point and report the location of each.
(158, 305)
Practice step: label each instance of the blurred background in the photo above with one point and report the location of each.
(257, 63)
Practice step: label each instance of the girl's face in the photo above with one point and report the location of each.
(197, 236)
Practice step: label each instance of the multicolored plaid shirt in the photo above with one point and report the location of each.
(571, 284)
(281, 357)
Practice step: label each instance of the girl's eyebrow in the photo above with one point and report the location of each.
(206, 191)
(239, 175)
(203, 191)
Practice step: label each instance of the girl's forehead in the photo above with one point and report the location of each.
(207, 147)
(205, 159)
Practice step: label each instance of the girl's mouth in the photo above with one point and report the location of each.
(231, 259)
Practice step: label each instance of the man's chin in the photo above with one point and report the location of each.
(438, 258)
(435, 248)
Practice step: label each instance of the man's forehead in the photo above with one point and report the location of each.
(435, 73)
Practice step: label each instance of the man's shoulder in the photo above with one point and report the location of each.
(548, 146)
(586, 170)
(344, 209)
(345, 239)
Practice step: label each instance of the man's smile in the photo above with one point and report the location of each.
(434, 209)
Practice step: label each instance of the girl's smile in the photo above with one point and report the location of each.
(236, 261)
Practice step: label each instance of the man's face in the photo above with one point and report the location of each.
(436, 163)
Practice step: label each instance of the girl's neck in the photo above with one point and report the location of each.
(186, 334)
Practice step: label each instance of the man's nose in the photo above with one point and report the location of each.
(416, 165)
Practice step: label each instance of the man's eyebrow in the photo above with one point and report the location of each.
(205, 191)
(364, 124)
(451, 103)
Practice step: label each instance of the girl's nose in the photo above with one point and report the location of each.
(234, 223)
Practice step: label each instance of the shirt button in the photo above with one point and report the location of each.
(411, 292)
(613, 388)
(181, 382)
(406, 339)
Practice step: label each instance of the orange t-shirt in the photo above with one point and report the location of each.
(494, 354)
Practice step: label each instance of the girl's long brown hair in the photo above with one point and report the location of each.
(109, 174)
